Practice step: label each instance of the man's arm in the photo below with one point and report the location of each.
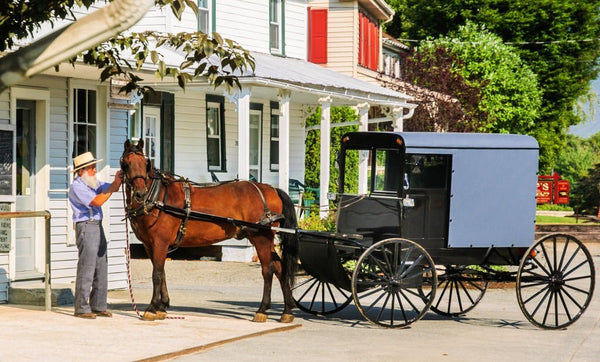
(102, 197)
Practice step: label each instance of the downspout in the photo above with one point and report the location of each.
(71, 40)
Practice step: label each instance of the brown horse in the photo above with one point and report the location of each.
(167, 211)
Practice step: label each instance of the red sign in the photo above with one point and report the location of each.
(551, 189)
(544, 192)
(562, 192)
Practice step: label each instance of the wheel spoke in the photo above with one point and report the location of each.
(309, 288)
(541, 301)
(402, 308)
(577, 289)
(466, 292)
(551, 270)
(562, 257)
(572, 299)
(562, 300)
(416, 309)
(575, 268)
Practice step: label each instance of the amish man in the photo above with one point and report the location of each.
(86, 195)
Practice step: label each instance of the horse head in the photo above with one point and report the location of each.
(136, 169)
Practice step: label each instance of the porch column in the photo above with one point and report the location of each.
(398, 114)
(284, 139)
(363, 126)
(325, 104)
(241, 98)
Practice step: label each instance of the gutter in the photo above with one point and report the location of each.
(71, 40)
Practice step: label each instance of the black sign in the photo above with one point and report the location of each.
(6, 162)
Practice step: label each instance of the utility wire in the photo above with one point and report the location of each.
(510, 42)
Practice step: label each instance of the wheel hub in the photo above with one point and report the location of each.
(556, 281)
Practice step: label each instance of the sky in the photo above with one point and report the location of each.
(591, 126)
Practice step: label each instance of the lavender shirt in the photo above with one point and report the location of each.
(80, 196)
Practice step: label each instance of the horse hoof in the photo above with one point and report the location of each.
(260, 318)
(149, 316)
(160, 315)
(286, 318)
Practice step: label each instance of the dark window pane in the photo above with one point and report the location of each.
(91, 107)
(214, 150)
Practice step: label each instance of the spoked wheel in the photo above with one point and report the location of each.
(555, 281)
(394, 283)
(318, 297)
(459, 289)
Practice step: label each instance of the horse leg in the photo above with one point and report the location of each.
(157, 304)
(263, 251)
(288, 299)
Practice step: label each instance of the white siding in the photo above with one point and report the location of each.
(245, 21)
(295, 29)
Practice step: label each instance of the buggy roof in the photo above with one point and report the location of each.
(438, 140)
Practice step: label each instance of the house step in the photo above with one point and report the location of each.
(34, 293)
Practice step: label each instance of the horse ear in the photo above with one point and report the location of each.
(148, 165)
(127, 145)
(140, 144)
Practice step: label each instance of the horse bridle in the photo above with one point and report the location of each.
(129, 180)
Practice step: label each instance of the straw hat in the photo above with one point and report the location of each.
(84, 160)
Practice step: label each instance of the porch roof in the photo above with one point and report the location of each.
(300, 75)
(308, 81)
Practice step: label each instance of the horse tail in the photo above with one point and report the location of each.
(289, 241)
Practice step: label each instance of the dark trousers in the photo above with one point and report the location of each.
(91, 285)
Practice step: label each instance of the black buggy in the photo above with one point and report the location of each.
(437, 217)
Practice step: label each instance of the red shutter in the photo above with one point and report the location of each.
(374, 47)
(317, 36)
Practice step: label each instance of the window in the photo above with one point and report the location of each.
(256, 141)
(384, 170)
(276, 20)
(152, 119)
(317, 36)
(427, 171)
(152, 136)
(84, 121)
(204, 16)
(368, 51)
(215, 132)
(274, 138)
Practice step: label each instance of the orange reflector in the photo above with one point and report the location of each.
(399, 141)
(345, 139)
(533, 254)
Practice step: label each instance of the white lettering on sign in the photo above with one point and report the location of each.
(5, 229)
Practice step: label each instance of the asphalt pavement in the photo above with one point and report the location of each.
(212, 304)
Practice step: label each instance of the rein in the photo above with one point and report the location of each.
(149, 201)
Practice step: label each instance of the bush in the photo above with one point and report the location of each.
(314, 222)
(554, 207)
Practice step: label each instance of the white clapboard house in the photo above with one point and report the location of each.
(258, 131)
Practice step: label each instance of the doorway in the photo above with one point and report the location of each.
(25, 245)
(255, 145)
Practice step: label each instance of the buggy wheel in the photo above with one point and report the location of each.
(394, 283)
(555, 281)
(459, 289)
(317, 297)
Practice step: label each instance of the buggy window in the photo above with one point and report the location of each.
(427, 171)
(387, 170)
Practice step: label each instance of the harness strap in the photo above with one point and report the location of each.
(268, 217)
(188, 209)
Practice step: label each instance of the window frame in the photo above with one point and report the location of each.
(274, 140)
(75, 122)
(213, 101)
(279, 10)
(210, 16)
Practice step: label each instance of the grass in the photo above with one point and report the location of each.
(543, 219)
